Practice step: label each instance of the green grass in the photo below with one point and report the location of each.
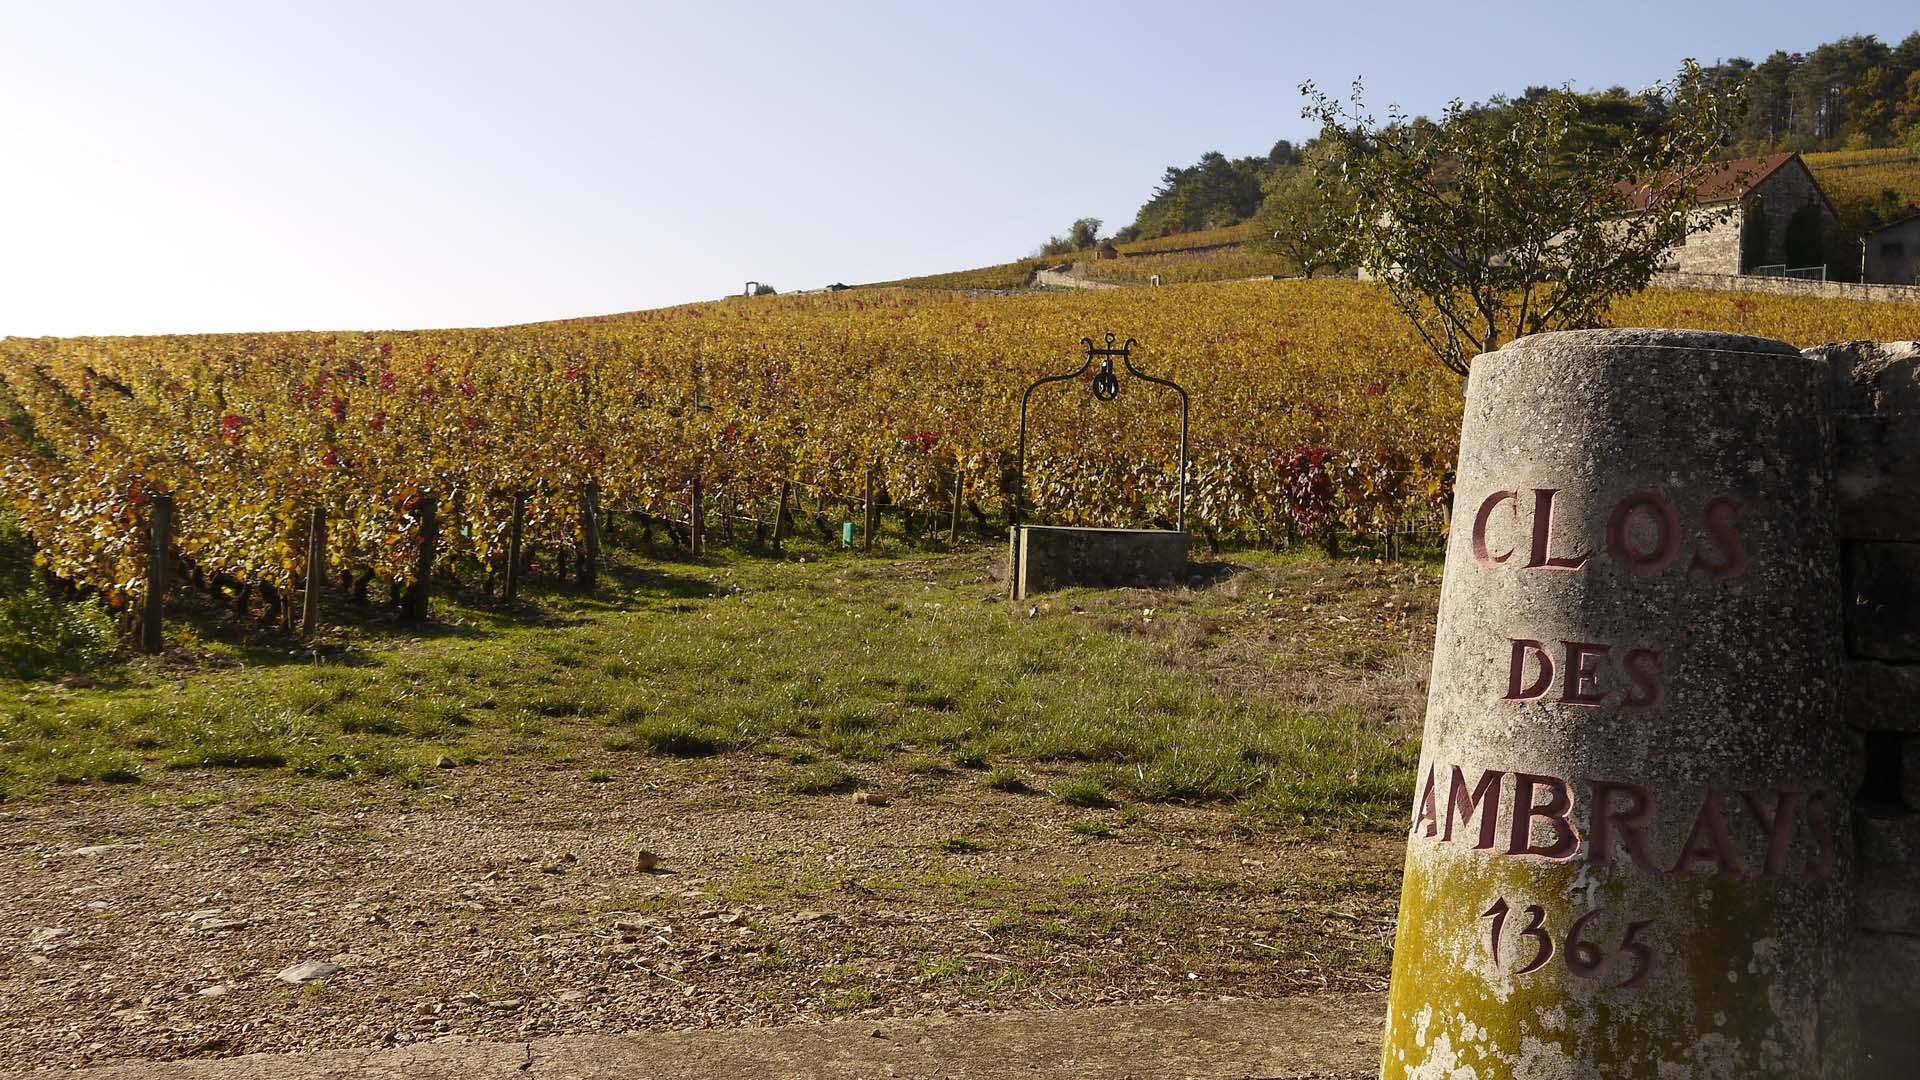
(1005, 778)
(836, 662)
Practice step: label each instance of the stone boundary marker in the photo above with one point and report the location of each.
(1329, 1037)
(1676, 674)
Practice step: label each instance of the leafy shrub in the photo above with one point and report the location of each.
(41, 637)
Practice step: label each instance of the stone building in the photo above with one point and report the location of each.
(1106, 250)
(1781, 218)
(1893, 252)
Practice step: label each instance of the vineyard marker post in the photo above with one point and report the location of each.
(867, 518)
(415, 611)
(590, 535)
(316, 571)
(516, 529)
(780, 515)
(959, 490)
(696, 520)
(159, 543)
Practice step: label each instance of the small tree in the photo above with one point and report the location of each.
(1303, 217)
(1486, 226)
(1081, 235)
(1084, 233)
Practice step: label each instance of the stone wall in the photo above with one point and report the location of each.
(1831, 290)
(1877, 432)
(1715, 249)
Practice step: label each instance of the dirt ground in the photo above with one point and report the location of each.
(511, 903)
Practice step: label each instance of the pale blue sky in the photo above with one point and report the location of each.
(198, 167)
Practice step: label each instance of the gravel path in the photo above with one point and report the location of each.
(210, 915)
(1334, 1037)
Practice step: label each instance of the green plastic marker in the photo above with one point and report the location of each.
(846, 534)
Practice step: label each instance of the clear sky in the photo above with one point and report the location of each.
(186, 166)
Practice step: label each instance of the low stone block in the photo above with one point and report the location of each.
(1881, 697)
(1873, 376)
(1889, 1043)
(1910, 773)
(1883, 601)
(1886, 839)
(1048, 557)
(1886, 971)
(1877, 476)
(1876, 404)
(1889, 898)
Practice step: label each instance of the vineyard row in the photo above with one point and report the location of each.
(1314, 409)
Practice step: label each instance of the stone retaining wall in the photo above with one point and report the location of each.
(1832, 290)
(1877, 430)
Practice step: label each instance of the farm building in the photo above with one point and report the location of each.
(1893, 252)
(1781, 220)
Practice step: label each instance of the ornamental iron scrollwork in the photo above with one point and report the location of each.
(1106, 387)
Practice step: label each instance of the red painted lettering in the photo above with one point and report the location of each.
(1517, 671)
(1480, 552)
(1710, 840)
(1485, 799)
(1425, 812)
(1539, 558)
(1777, 824)
(1520, 838)
(1627, 822)
(1666, 545)
(1582, 681)
(1643, 668)
(1717, 521)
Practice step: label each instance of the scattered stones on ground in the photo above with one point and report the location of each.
(308, 971)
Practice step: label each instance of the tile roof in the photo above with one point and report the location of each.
(1725, 181)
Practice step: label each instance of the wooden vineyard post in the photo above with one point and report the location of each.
(415, 611)
(159, 543)
(870, 517)
(590, 529)
(316, 571)
(959, 491)
(516, 530)
(780, 515)
(696, 519)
